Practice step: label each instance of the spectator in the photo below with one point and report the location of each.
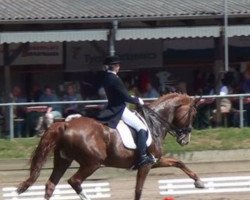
(225, 103)
(54, 110)
(237, 77)
(16, 96)
(20, 115)
(246, 81)
(151, 92)
(167, 82)
(34, 112)
(143, 80)
(199, 81)
(226, 89)
(71, 96)
(181, 87)
(205, 105)
(246, 89)
(35, 92)
(133, 91)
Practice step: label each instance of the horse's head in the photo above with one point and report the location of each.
(182, 122)
(178, 112)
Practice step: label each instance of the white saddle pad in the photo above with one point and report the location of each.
(127, 137)
(124, 132)
(73, 116)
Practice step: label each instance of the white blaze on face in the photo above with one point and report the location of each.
(184, 139)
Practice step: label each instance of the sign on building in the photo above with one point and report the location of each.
(36, 54)
(85, 56)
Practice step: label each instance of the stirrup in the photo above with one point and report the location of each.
(146, 160)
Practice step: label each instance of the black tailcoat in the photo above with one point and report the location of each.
(117, 96)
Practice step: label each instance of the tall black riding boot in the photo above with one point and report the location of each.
(143, 158)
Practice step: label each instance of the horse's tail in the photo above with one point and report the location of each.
(47, 144)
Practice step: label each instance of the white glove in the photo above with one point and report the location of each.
(141, 102)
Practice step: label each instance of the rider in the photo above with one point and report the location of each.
(117, 96)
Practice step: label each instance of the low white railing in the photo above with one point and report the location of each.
(62, 192)
(212, 185)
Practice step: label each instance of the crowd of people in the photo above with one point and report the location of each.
(144, 85)
(36, 116)
(29, 120)
(232, 82)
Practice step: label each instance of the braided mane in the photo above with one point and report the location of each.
(172, 97)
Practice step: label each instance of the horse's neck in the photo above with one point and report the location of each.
(166, 122)
(166, 108)
(156, 126)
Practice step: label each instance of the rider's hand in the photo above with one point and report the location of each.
(141, 102)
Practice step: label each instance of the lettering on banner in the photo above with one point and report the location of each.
(42, 53)
(82, 56)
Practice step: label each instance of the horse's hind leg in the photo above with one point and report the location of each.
(76, 180)
(172, 162)
(60, 166)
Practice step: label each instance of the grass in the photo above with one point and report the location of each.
(17, 148)
(212, 139)
(209, 139)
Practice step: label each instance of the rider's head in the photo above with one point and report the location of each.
(112, 63)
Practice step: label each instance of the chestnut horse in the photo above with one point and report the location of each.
(92, 145)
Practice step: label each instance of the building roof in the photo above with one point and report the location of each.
(60, 11)
(122, 34)
(37, 11)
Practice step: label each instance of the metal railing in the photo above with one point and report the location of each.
(240, 100)
(91, 102)
(12, 105)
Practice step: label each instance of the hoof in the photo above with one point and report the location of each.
(199, 184)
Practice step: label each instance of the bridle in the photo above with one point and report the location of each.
(170, 128)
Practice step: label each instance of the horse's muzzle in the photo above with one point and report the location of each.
(183, 139)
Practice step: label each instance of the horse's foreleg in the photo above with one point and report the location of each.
(172, 162)
(60, 166)
(140, 180)
(76, 180)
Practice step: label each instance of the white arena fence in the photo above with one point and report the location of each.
(212, 185)
(90, 103)
(95, 190)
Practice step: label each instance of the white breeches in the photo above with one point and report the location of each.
(132, 120)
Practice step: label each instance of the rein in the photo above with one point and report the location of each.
(162, 121)
(173, 130)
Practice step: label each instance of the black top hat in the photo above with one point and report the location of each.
(112, 60)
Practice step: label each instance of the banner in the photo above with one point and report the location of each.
(239, 41)
(189, 43)
(36, 54)
(87, 56)
(202, 43)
